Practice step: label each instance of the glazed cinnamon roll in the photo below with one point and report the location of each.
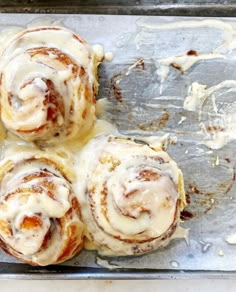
(48, 84)
(131, 195)
(40, 220)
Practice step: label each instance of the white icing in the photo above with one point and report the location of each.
(174, 264)
(72, 147)
(221, 253)
(217, 162)
(182, 233)
(183, 62)
(109, 56)
(102, 127)
(227, 27)
(105, 264)
(99, 52)
(158, 141)
(187, 61)
(231, 239)
(181, 120)
(102, 106)
(133, 66)
(162, 72)
(198, 93)
(6, 35)
(46, 21)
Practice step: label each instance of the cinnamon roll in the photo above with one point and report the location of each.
(131, 196)
(40, 219)
(48, 84)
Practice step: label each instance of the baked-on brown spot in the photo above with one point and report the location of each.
(116, 89)
(195, 189)
(226, 184)
(199, 202)
(186, 215)
(192, 53)
(177, 66)
(139, 64)
(156, 124)
(187, 197)
(215, 129)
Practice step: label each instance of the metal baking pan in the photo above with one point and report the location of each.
(143, 105)
(132, 7)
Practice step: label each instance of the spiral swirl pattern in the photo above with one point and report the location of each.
(48, 84)
(39, 214)
(131, 196)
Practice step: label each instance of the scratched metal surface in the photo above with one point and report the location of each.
(141, 107)
(206, 8)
